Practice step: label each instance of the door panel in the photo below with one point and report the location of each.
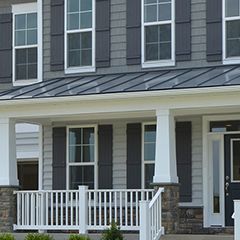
(232, 174)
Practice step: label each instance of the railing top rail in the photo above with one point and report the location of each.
(156, 196)
(121, 190)
(47, 191)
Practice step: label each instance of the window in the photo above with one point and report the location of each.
(231, 36)
(81, 157)
(157, 33)
(26, 52)
(80, 36)
(149, 146)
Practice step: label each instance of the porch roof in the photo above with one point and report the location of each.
(128, 82)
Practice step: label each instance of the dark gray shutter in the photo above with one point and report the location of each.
(214, 30)
(105, 156)
(183, 30)
(184, 159)
(133, 32)
(57, 35)
(102, 33)
(59, 158)
(134, 151)
(6, 48)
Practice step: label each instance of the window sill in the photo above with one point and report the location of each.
(155, 64)
(80, 70)
(233, 60)
(25, 82)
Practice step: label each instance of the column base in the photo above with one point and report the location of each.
(170, 206)
(8, 208)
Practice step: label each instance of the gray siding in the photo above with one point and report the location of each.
(119, 38)
(197, 183)
(47, 157)
(119, 155)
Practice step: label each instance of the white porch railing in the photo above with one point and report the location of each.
(80, 210)
(236, 217)
(151, 217)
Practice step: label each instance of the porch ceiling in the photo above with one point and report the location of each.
(146, 81)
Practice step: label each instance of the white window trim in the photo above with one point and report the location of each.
(84, 69)
(160, 63)
(143, 162)
(34, 7)
(227, 60)
(95, 164)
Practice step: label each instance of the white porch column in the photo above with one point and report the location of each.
(165, 162)
(8, 167)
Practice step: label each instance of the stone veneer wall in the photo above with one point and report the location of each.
(7, 208)
(191, 222)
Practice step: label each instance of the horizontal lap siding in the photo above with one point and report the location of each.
(47, 157)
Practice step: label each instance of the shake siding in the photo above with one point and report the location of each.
(47, 157)
(197, 184)
(119, 156)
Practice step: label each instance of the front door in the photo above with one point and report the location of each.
(232, 174)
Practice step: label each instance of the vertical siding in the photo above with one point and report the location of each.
(197, 183)
(119, 156)
(47, 157)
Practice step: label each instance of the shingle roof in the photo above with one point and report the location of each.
(128, 82)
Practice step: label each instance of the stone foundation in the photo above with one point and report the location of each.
(191, 222)
(170, 209)
(7, 208)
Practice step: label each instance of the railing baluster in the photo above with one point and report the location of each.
(137, 210)
(100, 208)
(121, 210)
(56, 206)
(95, 208)
(126, 208)
(131, 208)
(115, 206)
(61, 208)
(110, 207)
(76, 209)
(105, 209)
(46, 209)
(66, 208)
(51, 208)
(71, 196)
(89, 209)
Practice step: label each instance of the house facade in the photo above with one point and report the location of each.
(129, 94)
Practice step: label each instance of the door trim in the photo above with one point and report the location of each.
(207, 221)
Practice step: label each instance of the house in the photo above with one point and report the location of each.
(129, 95)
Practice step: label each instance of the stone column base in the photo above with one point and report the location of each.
(170, 207)
(8, 206)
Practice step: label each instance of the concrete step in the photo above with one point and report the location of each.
(61, 236)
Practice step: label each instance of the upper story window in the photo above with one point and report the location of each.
(231, 33)
(82, 167)
(79, 36)
(26, 52)
(157, 33)
(149, 146)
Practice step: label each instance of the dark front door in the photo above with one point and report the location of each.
(232, 174)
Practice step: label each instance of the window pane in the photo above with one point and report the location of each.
(20, 21)
(75, 136)
(149, 172)
(165, 33)
(81, 175)
(74, 41)
(86, 20)
(21, 56)
(216, 187)
(232, 8)
(86, 40)
(150, 1)
(86, 58)
(31, 37)
(75, 154)
(150, 133)
(73, 5)
(20, 38)
(88, 153)
(236, 160)
(151, 34)
(32, 71)
(73, 21)
(164, 12)
(88, 135)
(233, 38)
(74, 58)
(32, 20)
(149, 151)
(85, 5)
(21, 72)
(150, 13)
(165, 51)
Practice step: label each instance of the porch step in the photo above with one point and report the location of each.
(60, 236)
(197, 237)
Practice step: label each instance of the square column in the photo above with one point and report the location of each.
(165, 160)
(8, 169)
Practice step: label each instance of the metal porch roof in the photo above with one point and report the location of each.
(128, 82)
